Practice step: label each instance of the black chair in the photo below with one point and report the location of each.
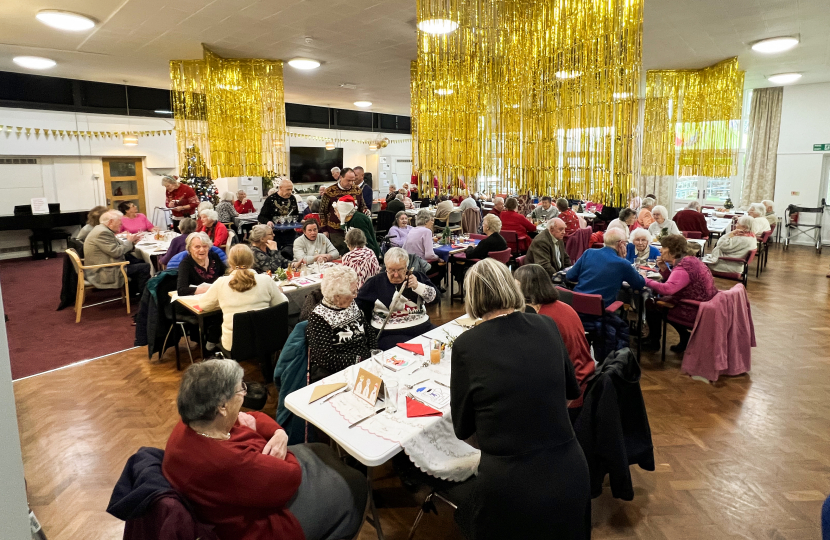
(77, 245)
(385, 221)
(260, 334)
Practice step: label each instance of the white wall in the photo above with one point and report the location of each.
(805, 121)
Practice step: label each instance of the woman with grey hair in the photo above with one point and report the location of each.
(241, 475)
(225, 208)
(662, 225)
(419, 240)
(267, 258)
(509, 398)
(769, 206)
(200, 267)
(400, 230)
(215, 229)
(760, 225)
(734, 244)
(179, 198)
(491, 226)
(408, 317)
(360, 258)
(178, 244)
(337, 333)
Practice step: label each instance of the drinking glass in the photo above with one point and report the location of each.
(391, 389)
(435, 352)
(377, 360)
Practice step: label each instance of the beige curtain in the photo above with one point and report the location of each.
(661, 186)
(762, 145)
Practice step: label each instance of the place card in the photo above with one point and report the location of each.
(367, 386)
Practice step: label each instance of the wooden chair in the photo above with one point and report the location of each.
(83, 284)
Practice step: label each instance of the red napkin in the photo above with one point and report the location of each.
(417, 348)
(415, 409)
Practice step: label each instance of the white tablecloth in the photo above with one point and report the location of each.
(149, 247)
(429, 442)
(245, 218)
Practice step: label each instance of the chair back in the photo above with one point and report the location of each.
(765, 238)
(76, 262)
(477, 236)
(520, 261)
(512, 239)
(259, 334)
(77, 245)
(386, 220)
(501, 256)
(587, 304)
(750, 257)
(695, 235)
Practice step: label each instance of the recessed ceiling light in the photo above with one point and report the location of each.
(775, 45)
(373, 146)
(567, 74)
(303, 63)
(443, 91)
(65, 20)
(330, 145)
(362, 103)
(130, 139)
(163, 111)
(437, 26)
(784, 78)
(34, 62)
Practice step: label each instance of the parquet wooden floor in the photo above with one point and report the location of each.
(748, 457)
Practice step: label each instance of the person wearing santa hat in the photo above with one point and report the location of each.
(330, 223)
(350, 218)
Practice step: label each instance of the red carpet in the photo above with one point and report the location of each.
(41, 338)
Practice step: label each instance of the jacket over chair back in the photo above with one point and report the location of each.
(470, 221)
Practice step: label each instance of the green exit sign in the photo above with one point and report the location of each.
(821, 148)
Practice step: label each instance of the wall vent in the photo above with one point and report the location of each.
(18, 161)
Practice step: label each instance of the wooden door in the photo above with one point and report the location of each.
(124, 181)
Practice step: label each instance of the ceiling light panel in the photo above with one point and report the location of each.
(784, 78)
(775, 45)
(303, 63)
(34, 62)
(65, 20)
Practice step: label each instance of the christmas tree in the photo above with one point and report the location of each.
(196, 174)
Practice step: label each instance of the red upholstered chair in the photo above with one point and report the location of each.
(512, 239)
(501, 256)
(695, 235)
(478, 236)
(668, 313)
(521, 261)
(737, 276)
(591, 304)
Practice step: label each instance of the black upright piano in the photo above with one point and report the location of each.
(42, 225)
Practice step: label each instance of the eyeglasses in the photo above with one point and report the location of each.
(395, 271)
(244, 390)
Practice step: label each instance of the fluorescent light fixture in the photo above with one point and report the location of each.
(784, 78)
(130, 140)
(621, 95)
(34, 62)
(330, 145)
(775, 45)
(363, 104)
(437, 26)
(443, 91)
(65, 20)
(567, 74)
(162, 111)
(373, 146)
(303, 63)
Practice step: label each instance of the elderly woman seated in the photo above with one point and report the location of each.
(214, 229)
(200, 267)
(542, 297)
(226, 209)
(267, 258)
(626, 219)
(400, 230)
(92, 220)
(734, 244)
(491, 226)
(360, 258)
(408, 316)
(770, 212)
(242, 290)
(688, 279)
(662, 225)
(639, 250)
(419, 240)
(178, 244)
(760, 225)
(240, 475)
(337, 332)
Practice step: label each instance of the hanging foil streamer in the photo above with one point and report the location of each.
(693, 121)
(234, 111)
(528, 95)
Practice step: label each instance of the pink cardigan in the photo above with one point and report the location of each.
(722, 338)
(138, 224)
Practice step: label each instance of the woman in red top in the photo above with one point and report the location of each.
(243, 204)
(541, 295)
(241, 477)
(568, 216)
(511, 220)
(209, 223)
(181, 199)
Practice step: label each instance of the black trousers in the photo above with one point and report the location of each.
(139, 274)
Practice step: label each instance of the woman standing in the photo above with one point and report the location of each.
(267, 258)
(133, 222)
(179, 198)
(509, 398)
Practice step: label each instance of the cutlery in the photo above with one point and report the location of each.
(368, 417)
(442, 384)
(416, 384)
(335, 393)
(425, 364)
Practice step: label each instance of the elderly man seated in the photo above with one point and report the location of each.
(498, 206)
(568, 216)
(603, 271)
(545, 211)
(548, 248)
(408, 316)
(337, 332)
(102, 247)
(396, 204)
(393, 192)
(241, 476)
(691, 219)
(760, 225)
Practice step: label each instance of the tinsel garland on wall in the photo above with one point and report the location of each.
(534, 95)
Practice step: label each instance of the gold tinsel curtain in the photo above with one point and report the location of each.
(525, 95)
(692, 121)
(234, 111)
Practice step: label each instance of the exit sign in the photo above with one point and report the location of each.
(821, 148)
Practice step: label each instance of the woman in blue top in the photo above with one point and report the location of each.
(640, 250)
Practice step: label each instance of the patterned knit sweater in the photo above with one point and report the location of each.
(337, 337)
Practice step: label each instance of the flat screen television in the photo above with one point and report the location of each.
(314, 164)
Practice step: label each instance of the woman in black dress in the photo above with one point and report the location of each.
(510, 386)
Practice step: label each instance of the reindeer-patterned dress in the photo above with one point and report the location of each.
(336, 338)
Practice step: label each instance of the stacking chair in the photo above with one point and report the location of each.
(83, 284)
(512, 239)
(478, 236)
(592, 305)
(763, 244)
(667, 316)
(501, 256)
(694, 235)
(741, 276)
(454, 222)
(260, 334)
(766, 242)
(470, 221)
(521, 261)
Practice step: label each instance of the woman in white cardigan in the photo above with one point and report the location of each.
(662, 223)
(240, 291)
(735, 244)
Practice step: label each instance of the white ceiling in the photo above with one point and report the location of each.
(370, 43)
